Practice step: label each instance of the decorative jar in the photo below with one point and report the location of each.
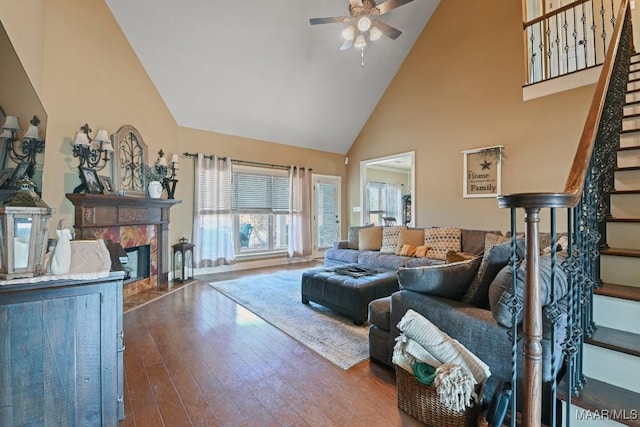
(155, 189)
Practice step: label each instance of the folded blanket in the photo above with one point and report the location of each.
(437, 346)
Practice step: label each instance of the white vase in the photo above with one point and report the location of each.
(155, 189)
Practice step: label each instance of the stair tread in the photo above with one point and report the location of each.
(625, 192)
(621, 252)
(632, 103)
(598, 395)
(631, 116)
(615, 339)
(628, 131)
(630, 148)
(618, 219)
(627, 168)
(619, 291)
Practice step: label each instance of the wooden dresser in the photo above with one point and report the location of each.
(61, 352)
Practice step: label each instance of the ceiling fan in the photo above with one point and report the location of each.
(363, 24)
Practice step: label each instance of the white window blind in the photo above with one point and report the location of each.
(260, 190)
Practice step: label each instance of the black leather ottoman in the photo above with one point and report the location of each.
(346, 294)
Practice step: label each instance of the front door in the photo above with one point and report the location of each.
(326, 213)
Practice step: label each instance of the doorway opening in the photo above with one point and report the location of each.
(387, 190)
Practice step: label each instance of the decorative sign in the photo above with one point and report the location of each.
(482, 172)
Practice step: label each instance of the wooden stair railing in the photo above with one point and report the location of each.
(586, 199)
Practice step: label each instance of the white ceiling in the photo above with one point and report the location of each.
(258, 69)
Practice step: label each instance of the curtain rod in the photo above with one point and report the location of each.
(245, 162)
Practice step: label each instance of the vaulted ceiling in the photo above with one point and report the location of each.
(258, 69)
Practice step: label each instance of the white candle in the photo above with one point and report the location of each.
(174, 158)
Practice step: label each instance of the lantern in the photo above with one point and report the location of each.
(182, 261)
(24, 231)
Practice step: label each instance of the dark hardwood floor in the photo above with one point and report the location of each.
(196, 358)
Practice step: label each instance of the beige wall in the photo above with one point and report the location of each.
(86, 71)
(460, 88)
(192, 141)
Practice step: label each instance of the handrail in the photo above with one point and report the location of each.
(570, 197)
(585, 195)
(554, 13)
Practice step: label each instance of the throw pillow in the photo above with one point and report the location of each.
(500, 291)
(421, 251)
(454, 256)
(390, 238)
(495, 257)
(370, 239)
(407, 250)
(443, 280)
(441, 240)
(410, 236)
(352, 238)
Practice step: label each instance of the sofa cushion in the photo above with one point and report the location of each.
(495, 257)
(422, 262)
(410, 236)
(500, 288)
(380, 313)
(445, 280)
(352, 237)
(407, 250)
(455, 256)
(390, 238)
(370, 239)
(421, 251)
(380, 260)
(347, 256)
(441, 240)
(473, 241)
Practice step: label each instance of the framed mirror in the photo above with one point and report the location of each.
(18, 98)
(129, 160)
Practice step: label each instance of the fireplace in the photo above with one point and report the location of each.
(138, 263)
(134, 222)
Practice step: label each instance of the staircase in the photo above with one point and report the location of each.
(612, 353)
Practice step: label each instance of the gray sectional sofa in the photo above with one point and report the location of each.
(346, 252)
(468, 300)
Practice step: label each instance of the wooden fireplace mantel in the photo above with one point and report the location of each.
(95, 212)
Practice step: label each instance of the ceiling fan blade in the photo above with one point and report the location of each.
(346, 45)
(391, 4)
(334, 20)
(388, 30)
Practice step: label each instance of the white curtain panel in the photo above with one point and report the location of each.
(299, 212)
(213, 234)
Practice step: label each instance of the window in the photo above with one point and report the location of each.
(260, 205)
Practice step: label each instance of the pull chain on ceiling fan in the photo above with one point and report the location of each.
(363, 24)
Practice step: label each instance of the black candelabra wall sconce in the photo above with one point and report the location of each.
(27, 148)
(168, 173)
(92, 153)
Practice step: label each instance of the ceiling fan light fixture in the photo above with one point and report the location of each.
(364, 23)
(374, 33)
(360, 42)
(348, 33)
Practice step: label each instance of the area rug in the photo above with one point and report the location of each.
(276, 299)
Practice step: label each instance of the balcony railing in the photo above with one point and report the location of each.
(570, 38)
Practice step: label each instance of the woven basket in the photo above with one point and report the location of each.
(422, 402)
